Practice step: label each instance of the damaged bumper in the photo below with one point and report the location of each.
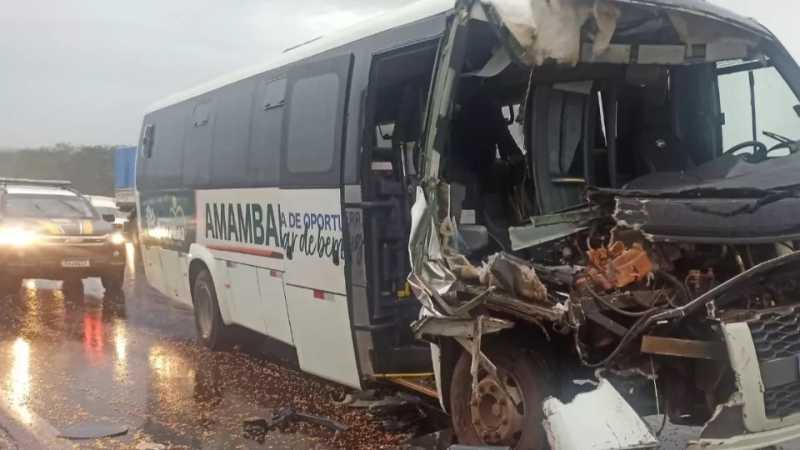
(764, 410)
(751, 419)
(742, 423)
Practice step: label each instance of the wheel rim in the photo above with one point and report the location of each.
(498, 409)
(203, 310)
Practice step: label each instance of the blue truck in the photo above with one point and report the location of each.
(125, 178)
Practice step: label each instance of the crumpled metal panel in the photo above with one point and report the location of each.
(430, 275)
(552, 30)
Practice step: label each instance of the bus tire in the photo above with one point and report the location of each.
(493, 417)
(211, 330)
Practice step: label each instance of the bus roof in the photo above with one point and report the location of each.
(414, 12)
(405, 15)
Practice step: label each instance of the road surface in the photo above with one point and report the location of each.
(132, 361)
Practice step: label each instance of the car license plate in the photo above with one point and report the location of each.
(75, 263)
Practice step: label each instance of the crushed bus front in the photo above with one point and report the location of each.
(641, 258)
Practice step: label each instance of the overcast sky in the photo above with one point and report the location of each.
(83, 71)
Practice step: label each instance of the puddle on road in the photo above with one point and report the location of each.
(133, 362)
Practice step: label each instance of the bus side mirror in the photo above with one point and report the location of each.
(797, 110)
(109, 218)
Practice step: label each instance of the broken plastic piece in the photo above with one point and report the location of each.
(577, 426)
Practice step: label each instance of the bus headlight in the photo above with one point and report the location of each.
(116, 238)
(17, 237)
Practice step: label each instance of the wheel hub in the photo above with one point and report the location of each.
(497, 418)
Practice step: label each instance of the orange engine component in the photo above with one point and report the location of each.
(617, 266)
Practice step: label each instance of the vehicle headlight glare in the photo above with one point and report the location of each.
(17, 237)
(117, 238)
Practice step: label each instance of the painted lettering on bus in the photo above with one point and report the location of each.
(312, 234)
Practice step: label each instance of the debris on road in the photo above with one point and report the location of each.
(257, 427)
(96, 430)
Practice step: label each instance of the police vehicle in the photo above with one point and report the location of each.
(49, 230)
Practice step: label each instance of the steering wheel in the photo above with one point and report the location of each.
(759, 152)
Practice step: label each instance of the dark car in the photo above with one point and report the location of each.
(49, 230)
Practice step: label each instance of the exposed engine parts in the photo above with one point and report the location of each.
(617, 266)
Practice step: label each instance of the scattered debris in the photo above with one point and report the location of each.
(92, 431)
(257, 427)
(150, 446)
(358, 399)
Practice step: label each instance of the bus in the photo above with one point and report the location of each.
(553, 207)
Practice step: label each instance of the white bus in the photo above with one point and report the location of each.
(515, 195)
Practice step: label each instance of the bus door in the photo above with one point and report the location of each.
(398, 86)
(310, 218)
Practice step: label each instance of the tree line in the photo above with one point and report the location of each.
(89, 167)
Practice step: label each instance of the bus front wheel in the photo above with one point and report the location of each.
(506, 410)
(211, 330)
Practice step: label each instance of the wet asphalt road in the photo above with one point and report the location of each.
(132, 361)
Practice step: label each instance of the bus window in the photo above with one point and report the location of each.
(232, 135)
(312, 130)
(267, 129)
(316, 106)
(166, 156)
(197, 156)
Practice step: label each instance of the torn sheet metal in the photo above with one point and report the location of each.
(551, 30)
(515, 276)
(442, 326)
(578, 426)
(552, 227)
(532, 235)
(429, 276)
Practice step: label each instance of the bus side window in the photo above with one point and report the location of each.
(312, 127)
(163, 155)
(197, 153)
(265, 143)
(316, 107)
(231, 139)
